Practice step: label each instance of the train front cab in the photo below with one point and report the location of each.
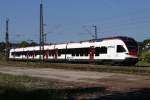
(132, 51)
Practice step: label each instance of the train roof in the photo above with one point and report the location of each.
(124, 38)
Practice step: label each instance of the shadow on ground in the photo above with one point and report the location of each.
(45, 94)
(71, 94)
(142, 94)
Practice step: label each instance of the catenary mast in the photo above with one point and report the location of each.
(7, 40)
(41, 31)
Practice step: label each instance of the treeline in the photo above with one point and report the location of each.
(16, 45)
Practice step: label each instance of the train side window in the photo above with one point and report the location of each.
(86, 51)
(25, 53)
(30, 53)
(78, 51)
(13, 53)
(60, 51)
(53, 52)
(36, 53)
(81, 54)
(17, 54)
(103, 50)
(59, 54)
(50, 52)
(86, 54)
(73, 54)
(81, 51)
(97, 51)
(120, 48)
(77, 54)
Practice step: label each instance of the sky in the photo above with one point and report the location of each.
(73, 20)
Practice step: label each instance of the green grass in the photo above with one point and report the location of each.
(143, 64)
(14, 82)
(144, 59)
(29, 88)
(26, 88)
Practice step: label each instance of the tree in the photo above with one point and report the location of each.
(24, 44)
(33, 44)
(146, 42)
(2, 47)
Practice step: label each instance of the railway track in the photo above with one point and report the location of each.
(85, 67)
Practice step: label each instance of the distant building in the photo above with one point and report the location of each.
(147, 45)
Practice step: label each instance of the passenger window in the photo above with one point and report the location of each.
(73, 54)
(81, 54)
(103, 50)
(86, 54)
(77, 54)
(120, 48)
(97, 51)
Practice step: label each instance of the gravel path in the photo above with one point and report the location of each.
(60, 74)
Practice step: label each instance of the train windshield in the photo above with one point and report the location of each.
(131, 44)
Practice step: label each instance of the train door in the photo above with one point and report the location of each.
(33, 55)
(120, 52)
(46, 55)
(111, 52)
(91, 53)
(55, 54)
(27, 55)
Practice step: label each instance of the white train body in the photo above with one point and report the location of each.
(116, 49)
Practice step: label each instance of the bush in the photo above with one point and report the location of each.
(146, 57)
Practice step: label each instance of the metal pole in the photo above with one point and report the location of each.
(7, 40)
(45, 37)
(95, 28)
(41, 31)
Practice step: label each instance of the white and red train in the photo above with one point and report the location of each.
(118, 49)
